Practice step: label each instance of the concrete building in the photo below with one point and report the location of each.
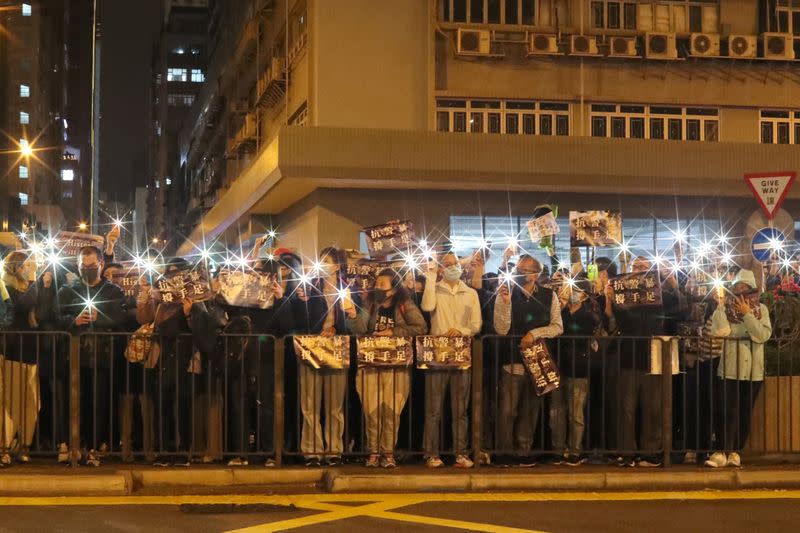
(462, 115)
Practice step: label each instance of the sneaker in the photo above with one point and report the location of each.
(690, 458)
(625, 462)
(238, 461)
(313, 462)
(462, 461)
(24, 457)
(63, 453)
(734, 459)
(5, 459)
(388, 461)
(103, 449)
(207, 460)
(270, 463)
(558, 459)
(373, 461)
(434, 462)
(484, 458)
(334, 460)
(575, 460)
(717, 460)
(92, 459)
(649, 463)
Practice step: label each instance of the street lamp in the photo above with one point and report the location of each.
(155, 240)
(82, 226)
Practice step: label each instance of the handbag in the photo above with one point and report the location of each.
(142, 347)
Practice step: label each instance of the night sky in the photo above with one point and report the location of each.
(130, 31)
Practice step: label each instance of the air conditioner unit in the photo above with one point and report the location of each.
(742, 46)
(660, 46)
(705, 44)
(542, 44)
(622, 47)
(778, 46)
(583, 45)
(474, 42)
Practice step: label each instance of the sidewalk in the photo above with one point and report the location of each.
(116, 480)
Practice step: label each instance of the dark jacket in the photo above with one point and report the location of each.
(20, 304)
(644, 322)
(105, 296)
(574, 354)
(309, 317)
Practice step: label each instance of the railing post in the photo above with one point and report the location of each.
(74, 399)
(279, 403)
(666, 398)
(477, 398)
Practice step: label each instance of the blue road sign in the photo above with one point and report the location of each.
(766, 242)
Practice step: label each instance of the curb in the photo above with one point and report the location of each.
(66, 485)
(223, 477)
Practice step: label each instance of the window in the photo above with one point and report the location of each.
(24, 91)
(180, 100)
(23, 172)
(23, 199)
(528, 12)
(679, 16)
(512, 117)
(178, 51)
(27, 10)
(177, 74)
(788, 16)
(780, 127)
(168, 181)
(67, 174)
(67, 195)
(24, 118)
(198, 76)
(655, 122)
(195, 51)
(613, 15)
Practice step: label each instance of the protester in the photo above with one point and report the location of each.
(455, 312)
(531, 312)
(746, 324)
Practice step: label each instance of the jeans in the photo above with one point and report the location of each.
(313, 385)
(519, 413)
(737, 399)
(642, 389)
(436, 383)
(568, 402)
(383, 394)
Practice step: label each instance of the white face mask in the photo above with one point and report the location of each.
(453, 273)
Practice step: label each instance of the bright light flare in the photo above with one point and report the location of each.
(411, 262)
(272, 234)
(727, 258)
(83, 226)
(679, 236)
(776, 244)
(23, 236)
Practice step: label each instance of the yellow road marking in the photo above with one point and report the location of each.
(445, 522)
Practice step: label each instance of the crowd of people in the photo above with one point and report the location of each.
(205, 386)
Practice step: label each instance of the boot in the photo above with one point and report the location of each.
(146, 403)
(126, 427)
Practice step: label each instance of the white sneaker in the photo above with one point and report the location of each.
(690, 458)
(717, 460)
(237, 461)
(434, 462)
(63, 453)
(462, 461)
(734, 459)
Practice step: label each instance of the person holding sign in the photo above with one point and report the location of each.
(383, 391)
(455, 312)
(523, 308)
(740, 317)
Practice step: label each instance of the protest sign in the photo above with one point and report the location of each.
(380, 351)
(127, 278)
(595, 228)
(184, 283)
(637, 289)
(450, 353)
(543, 226)
(323, 352)
(361, 275)
(389, 238)
(69, 243)
(246, 287)
(541, 367)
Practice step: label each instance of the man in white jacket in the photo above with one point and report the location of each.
(455, 312)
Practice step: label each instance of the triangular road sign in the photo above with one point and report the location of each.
(770, 189)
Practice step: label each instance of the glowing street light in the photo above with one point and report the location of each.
(83, 226)
(25, 148)
(155, 240)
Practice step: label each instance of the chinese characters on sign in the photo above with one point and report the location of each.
(444, 352)
(541, 367)
(362, 274)
(184, 283)
(323, 352)
(636, 289)
(389, 238)
(595, 228)
(385, 351)
(246, 288)
(543, 226)
(69, 243)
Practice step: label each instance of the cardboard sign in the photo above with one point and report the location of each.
(184, 283)
(770, 189)
(385, 351)
(361, 275)
(246, 288)
(69, 243)
(323, 352)
(127, 278)
(637, 289)
(450, 353)
(389, 238)
(541, 367)
(543, 226)
(595, 228)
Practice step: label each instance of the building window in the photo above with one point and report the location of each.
(613, 15)
(177, 74)
(67, 174)
(27, 10)
(178, 51)
(24, 118)
(499, 11)
(180, 100)
(67, 195)
(510, 117)
(195, 51)
(655, 122)
(788, 16)
(299, 117)
(23, 199)
(24, 91)
(23, 172)
(679, 16)
(198, 76)
(780, 127)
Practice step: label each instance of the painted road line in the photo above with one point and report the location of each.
(444, 522)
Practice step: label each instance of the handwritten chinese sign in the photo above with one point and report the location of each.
(636, 289)
(385, 351)
(444, 352)
(246, 288)
(595, 228)
(323, 352)
(543, 226)
(69, 243)
(389, 238)
(541, 367)
(191, 283)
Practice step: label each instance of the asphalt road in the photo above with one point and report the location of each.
(727, 512)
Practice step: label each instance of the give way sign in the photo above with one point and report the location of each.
(770, 189)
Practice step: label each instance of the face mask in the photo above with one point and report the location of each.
(380, 295)
(575, 298)
(90, 275)
(453, 273)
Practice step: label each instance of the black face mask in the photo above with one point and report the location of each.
(90, 275)
(380, 295)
